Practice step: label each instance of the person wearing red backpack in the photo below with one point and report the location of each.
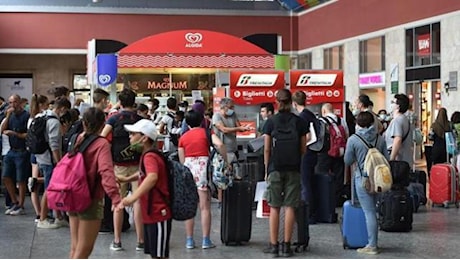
(84, 226)
(328, 162)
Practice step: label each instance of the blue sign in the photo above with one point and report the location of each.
(106, 69)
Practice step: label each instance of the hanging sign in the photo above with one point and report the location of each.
(320, 86)
(423, 45)
(255, 87)
(106, 69)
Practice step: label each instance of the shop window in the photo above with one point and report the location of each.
(372, 55)
(423, 45)
(333, 58)
(304, 61)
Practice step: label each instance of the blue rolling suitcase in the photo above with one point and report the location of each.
(353, 226)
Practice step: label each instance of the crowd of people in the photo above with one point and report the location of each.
(123, 172)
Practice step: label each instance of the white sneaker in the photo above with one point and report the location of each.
(61, 222)
(45, 224)
(17, 210)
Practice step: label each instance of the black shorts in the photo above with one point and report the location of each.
(156, 239)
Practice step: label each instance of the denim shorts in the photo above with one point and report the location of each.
(47, 171)
(283, 189)
(16, 165)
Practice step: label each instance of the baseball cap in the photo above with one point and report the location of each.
(144, 126)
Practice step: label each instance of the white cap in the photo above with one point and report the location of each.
(144, 126)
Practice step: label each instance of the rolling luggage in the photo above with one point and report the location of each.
(444, 188)
(353, 226)
(325, 198)
(395, 209)
(236, 217)
(419, 177)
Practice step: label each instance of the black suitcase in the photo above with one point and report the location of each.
(303, 229)
(395, 209)
(417, 176)
(236, 216)
(325, 198)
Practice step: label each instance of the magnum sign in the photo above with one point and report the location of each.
(255, 87)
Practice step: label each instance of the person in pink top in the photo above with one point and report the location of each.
(194, 153)
(84, 226)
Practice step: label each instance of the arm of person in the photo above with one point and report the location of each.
(349, 157)
(267, 151)
(105, 170)
(54, 138)
(106, 130)
(149, 182)
(397, 143)
(162, 127)
(181, 154)
(131, 178)
(220, 146)
(303, 144)
(6, 121)
(224, 129)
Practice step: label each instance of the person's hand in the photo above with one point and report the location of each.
(9, 132)
(120, 179)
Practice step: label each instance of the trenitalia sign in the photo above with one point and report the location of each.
(255, 87)
(319, 86)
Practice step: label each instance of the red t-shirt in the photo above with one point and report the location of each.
(195, 142)
(160, 210)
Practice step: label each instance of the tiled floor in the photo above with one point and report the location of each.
(435, 234)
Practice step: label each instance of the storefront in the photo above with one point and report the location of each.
(186, 63)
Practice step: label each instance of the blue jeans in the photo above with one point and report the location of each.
(16, 165)
(46, 170)
(368, 203)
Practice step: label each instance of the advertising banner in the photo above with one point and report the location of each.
(423, 45)
(320, 86)
(255, 87)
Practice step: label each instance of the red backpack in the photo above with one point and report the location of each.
(337, 137)
(69, 189)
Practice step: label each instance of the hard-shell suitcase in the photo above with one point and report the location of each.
(395, 209)
(444, 185)
(325, 198)
(236, 217)
(353, 226)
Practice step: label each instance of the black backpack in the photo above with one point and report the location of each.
(121, 151)
(36, 141)
(286, 153)
(75, 129)
(173, 137)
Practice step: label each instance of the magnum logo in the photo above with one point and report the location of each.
(165, 84)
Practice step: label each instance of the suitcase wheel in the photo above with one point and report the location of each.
(445, 205)
(456, 205)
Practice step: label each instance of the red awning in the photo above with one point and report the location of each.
(194, 49)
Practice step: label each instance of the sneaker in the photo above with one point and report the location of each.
(140, 246)
(368, 250)
(46, 224)
(271, 249)
(31, 183)
(116, 246)
(17, 210)
(190, 244)
(9, 209)
(286, 250)
(207, 243)
(61, 222)
(37, 219)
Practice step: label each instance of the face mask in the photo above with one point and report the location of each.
(137, 147)
(356, 112)
(182, 109)
(383, 116)
(394, 107)
(149, 106)
(229, 112)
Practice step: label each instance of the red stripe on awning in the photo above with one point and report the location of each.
(195, 61)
